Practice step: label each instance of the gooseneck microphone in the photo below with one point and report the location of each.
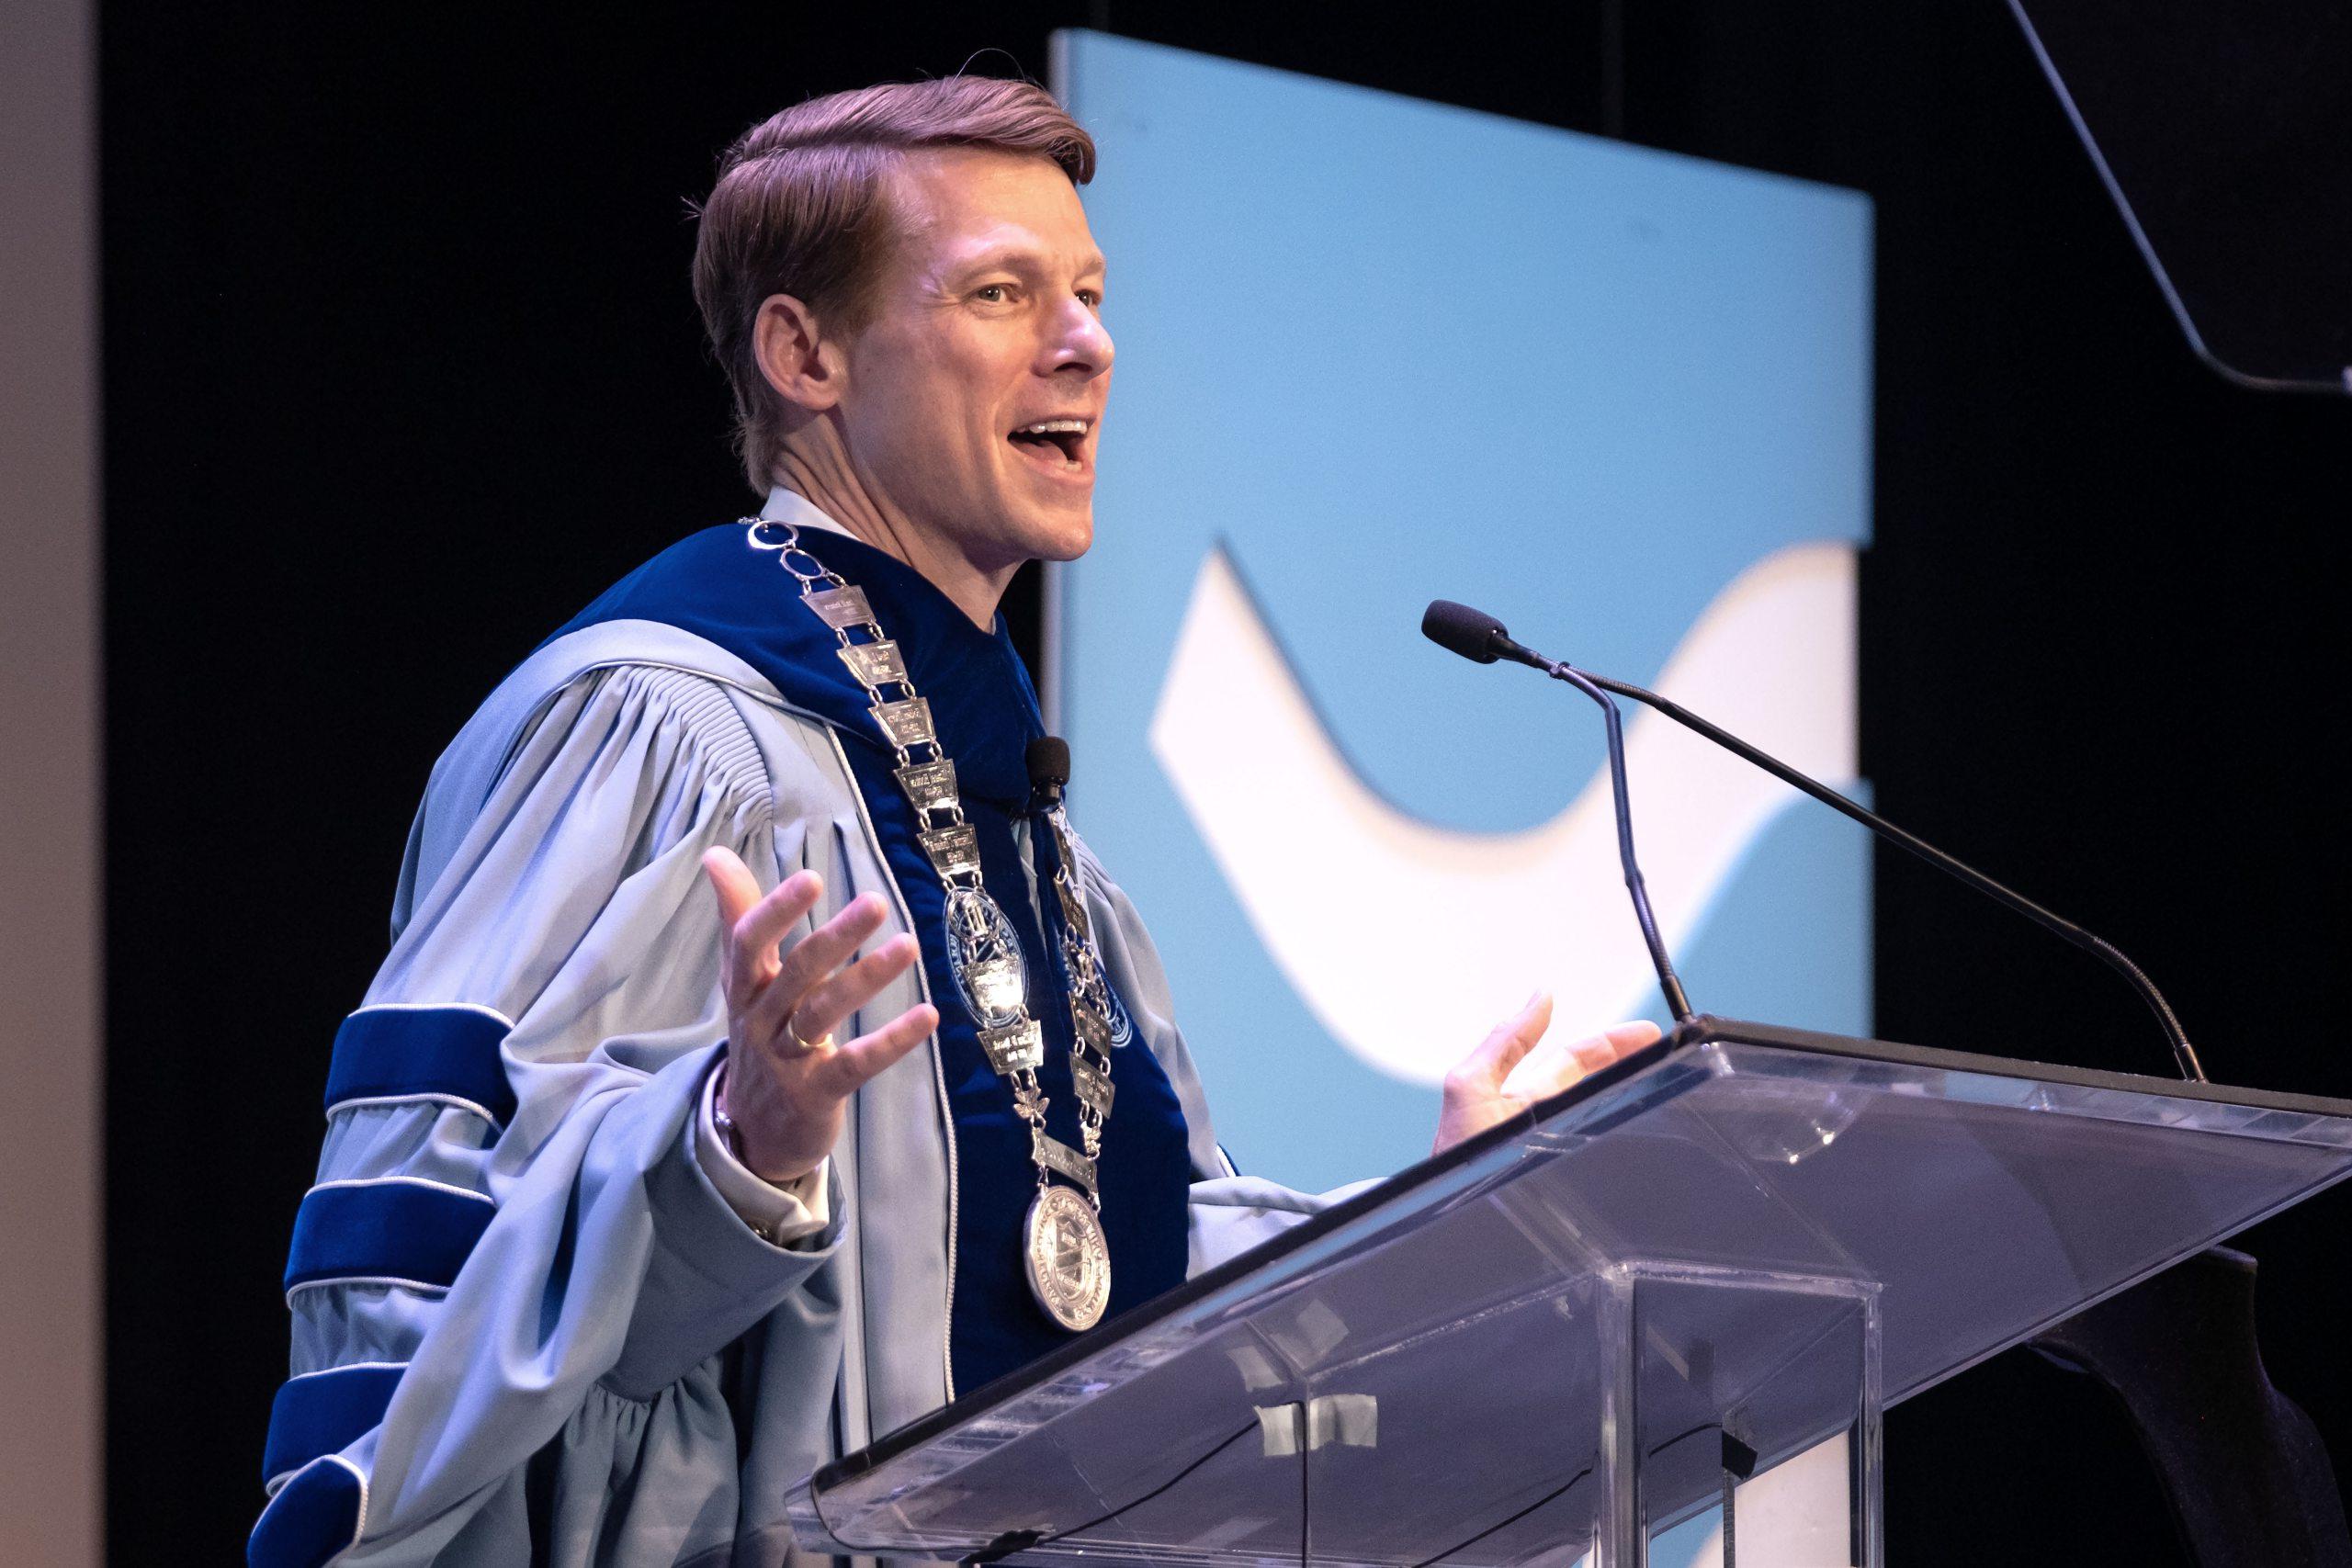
(1480, 637)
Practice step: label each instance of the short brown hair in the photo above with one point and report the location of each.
(800, 209)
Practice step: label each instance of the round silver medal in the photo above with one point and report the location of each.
(1068, 1258)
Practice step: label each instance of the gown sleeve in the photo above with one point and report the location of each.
(513, 1282)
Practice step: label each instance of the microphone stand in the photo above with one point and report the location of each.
(1479, 637)
(2183, 1053)
(1669, 983)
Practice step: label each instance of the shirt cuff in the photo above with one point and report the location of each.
(783, 1213)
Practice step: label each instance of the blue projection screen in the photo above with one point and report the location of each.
(1373, 351)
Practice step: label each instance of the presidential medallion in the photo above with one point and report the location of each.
(984, 957)
(1068, 1258)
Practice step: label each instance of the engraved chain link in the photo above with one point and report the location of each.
(1090, 997)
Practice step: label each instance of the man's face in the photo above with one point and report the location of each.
(987, 323)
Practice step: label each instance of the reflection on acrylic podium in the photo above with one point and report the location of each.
(1657, 1321)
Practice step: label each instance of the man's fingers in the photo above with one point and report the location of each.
(851, 1066)
(1546, 1072)
(1631, 1037)
(751, 959)
(754, 924)
(812, 958)
(1512, 1039)
(764, 925)
(737, 888)
(738, 892)
(1612, 1045)
(850, 988)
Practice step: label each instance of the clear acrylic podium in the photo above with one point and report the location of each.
(1683, 1292)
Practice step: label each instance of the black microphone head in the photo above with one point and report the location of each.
(1048, 759)
(1458, 628)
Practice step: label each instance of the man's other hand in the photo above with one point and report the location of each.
(788, 1083)
(1474, 1096)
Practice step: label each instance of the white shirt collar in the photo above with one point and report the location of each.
(790, 506)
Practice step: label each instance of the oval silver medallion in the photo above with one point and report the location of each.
(984, 957)
(1068, 1258)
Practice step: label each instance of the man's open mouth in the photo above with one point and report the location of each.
(1060, 441)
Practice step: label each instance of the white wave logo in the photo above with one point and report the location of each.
(1407, 939)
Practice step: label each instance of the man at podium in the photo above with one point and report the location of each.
(762, 1058)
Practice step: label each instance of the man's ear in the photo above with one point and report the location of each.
(804, 365)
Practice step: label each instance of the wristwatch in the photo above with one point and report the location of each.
(719, 1117)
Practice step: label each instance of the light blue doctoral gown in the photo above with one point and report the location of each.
(526, 1327)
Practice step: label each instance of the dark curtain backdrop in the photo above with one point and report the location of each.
(401, 367)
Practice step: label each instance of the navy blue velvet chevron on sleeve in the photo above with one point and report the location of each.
(406, 1052)
(324, 1413)
(416, 1232)
(314, 1516)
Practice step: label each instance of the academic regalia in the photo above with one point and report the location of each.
(527, 1326)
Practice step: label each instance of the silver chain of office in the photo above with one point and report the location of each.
(1067, 1255)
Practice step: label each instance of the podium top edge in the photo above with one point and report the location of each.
(1707, 1030)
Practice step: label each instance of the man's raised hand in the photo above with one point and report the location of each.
(1474, 1098)
(787, 1084)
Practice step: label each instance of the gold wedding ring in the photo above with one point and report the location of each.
(807, 1047)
